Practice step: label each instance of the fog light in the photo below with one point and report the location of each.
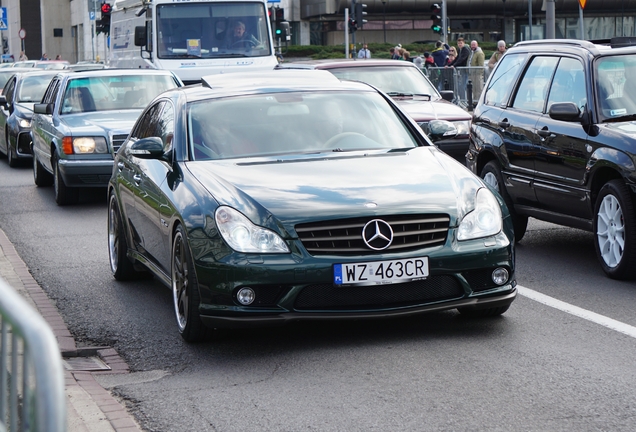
(500, 276)
(246, 296)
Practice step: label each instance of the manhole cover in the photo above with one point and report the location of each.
(85, 364)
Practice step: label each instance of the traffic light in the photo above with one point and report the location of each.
(103, 24)
(280, 14)
(352, 25)
(359, 13)
(437, 19)
(282, 31)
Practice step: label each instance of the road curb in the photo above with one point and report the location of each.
(90, 407)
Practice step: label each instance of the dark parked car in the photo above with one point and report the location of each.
(413, 92)
(21, 92)
(83, 119)
(555, 132)
(258, 201)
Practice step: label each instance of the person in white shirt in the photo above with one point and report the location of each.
(364, 52)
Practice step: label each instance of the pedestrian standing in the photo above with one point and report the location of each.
(364, 52)
(440, 54)
(494, 58)
(23, 56)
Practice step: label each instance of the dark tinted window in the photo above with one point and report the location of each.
(533, 89)
(503, 78)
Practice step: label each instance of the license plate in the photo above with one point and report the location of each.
(380, 272)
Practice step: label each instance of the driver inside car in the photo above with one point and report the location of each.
(239, 38)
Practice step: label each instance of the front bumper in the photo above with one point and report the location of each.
(231, 321)
(86, 172)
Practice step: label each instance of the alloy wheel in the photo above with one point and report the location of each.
(180, 281)
(610, 232)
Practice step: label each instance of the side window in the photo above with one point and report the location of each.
(51, 91)
(568, 84)
(147, 126)
(500, 85)
(165, 126)
(533, 90)
(9, 89)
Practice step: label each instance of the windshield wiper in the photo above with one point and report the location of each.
(400, 94)
(621, 118)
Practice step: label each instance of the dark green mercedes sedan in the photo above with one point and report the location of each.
(265, 198)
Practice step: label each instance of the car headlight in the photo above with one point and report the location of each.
(24, 123)
(84, 145)
(463, 127)
(243, 236)
(484, 220)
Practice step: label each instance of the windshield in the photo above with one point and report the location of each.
(279, 123)
(209, 30)
(390, 79)
(113, 92)
(616, 95)
(32, 88)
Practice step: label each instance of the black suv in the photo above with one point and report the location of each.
(554, 132)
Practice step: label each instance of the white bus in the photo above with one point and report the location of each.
(192, 38)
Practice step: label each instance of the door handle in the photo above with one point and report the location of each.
(120, 166)
(544, 133)
(503, 124)
(137, 178)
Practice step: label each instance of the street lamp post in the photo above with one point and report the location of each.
(384, 18)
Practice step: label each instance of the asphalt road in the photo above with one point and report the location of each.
(539, 367)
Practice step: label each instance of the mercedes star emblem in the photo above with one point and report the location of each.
(377, 234)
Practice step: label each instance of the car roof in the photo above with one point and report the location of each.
(116, 72)
(37, 72)
(343, 63)
(274, 81)
(617, 45)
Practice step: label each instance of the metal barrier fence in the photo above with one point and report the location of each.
(32, 376)
(457, 79)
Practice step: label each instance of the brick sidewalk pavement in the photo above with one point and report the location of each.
(90, 407)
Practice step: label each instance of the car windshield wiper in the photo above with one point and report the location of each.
(621, 118)
(405, 94)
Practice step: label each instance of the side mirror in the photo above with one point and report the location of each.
(147, 148)
(3, 101)
(43, 108)
(565, 111)
(140, 36)
(447, 95)
(438, 130)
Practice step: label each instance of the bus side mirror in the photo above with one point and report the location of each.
(140, 36)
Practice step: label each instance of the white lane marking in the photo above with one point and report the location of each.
(577, 311)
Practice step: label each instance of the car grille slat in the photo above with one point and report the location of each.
(329, 297)
(117, 141)
(344, 236)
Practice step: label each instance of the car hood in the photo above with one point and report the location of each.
(421, 110)
(101, 121)
(319, 187)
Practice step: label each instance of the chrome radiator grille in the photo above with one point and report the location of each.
(117, 141)
(344, 236)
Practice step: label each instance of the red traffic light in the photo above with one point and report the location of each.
(435, 8)
(106, 8)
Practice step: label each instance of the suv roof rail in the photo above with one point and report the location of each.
(573, 42)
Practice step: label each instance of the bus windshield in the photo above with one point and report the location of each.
(212, 30)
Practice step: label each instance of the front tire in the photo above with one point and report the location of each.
(615, 230)
(185, 290)
(491, 173)
(120, 265)
(13, 161)
(41, 177)
(64, 195)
